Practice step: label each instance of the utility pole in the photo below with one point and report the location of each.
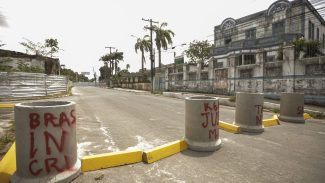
(152, 65)
(110, 65)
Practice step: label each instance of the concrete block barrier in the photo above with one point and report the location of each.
(249, 112)
(292, 107)
(202, 123)
(46, 147)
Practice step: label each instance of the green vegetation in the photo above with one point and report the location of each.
(74, 76)
(277, 111)
(49, 47)
(309, 48)
(163, 38)
(199, 51)
(317, 115)
(232, 99)
(144, 46)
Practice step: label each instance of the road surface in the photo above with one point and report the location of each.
(110, 120)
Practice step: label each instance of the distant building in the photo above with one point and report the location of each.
(11, 60)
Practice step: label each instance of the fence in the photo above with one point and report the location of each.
(312, 86)
(20, 84)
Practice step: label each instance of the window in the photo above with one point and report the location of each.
(249, 59)
(323, 41)
(311, 30)
(278, 28)
(227, 40)
(238, 60)
(246, 73)
(250, 34)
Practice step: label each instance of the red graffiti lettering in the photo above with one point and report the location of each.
(32, 150)
(51, 162)
(49, 117)
(73, 117)
(64, 118)
(34, 120)
(300, 110)
(35, 173)
(66, 160)
(259, 114)
(49, 136)
(213, 134)
(212, 112)
(205, 124)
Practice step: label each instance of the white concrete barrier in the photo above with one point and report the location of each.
(292, 107)
(249, 112)
(202, 123)
(46, 146)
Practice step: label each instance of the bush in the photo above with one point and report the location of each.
(232, 99)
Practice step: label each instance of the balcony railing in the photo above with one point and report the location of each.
(255, 43)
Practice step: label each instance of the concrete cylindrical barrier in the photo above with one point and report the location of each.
(249, 112)
(46, 146)
(202, 123)
(292, 107)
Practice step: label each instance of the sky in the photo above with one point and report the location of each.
(84, 28)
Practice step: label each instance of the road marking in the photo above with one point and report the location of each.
(81, 148)
(109, 140)
(145, 145)
(323, 133)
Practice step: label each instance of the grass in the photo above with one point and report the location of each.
(6, 139)
(232, 99)
(317, 115)
(276, 111)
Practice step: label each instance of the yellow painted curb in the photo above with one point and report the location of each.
(7, 105)
(96, 162)
(270, 122)
(229, 127)
(164, 151)
(8, 164)
(307, 116)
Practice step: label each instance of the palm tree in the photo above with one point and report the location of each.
(163, 38)
(117, 57)
(127, 67)
(143, 45)
(53, 44)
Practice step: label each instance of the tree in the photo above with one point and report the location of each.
(163, 38)
(3, 22)
(53, 45)
(36, 48)
(144, 46)
(117, 57)
(1, 44)
(199, 51)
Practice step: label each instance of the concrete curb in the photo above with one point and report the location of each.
(229, 127)
(271, 122)
(133, 91)
(8, 164)
(96, 162)
(7, 105)
(164, 151)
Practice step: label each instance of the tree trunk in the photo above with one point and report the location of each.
(159, 57)
(142, 62)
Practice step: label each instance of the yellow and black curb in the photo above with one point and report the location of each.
(8, 164)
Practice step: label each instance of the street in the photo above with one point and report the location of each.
(110, 120)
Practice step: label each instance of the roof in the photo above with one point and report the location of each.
(14, 54)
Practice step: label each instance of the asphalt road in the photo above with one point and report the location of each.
(110, 120)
